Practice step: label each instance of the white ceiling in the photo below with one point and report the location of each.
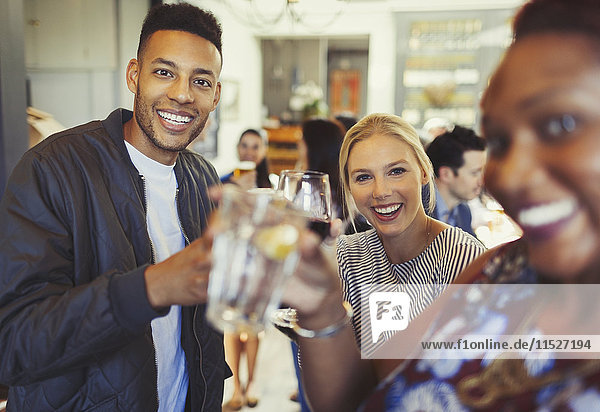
(430, 5)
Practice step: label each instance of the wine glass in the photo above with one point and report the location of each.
(310, 191)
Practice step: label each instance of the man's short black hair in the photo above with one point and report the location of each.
(448, 148)
(181, 17)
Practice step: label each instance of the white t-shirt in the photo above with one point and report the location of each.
(165, 234)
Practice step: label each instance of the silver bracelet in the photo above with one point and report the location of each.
(327, 331)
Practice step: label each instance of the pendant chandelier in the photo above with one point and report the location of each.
(313, 15)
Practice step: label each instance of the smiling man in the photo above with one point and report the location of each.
(104, 270)
(458, 158)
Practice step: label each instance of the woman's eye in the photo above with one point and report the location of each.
(398, 171)
(361, 178)
(558, 126)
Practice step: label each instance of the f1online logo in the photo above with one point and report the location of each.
(388, 311)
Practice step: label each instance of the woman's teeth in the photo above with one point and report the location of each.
(547, 214)
(387, 210)
(173, 118)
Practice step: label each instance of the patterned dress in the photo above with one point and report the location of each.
(364, 268)
(530, 383)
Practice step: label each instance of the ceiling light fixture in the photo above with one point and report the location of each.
(264, 14)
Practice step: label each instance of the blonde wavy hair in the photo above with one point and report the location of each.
(388, 125)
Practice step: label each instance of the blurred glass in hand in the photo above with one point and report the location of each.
(310, 191)
(243, 168)
(254, 252)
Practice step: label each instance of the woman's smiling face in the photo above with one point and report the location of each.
(385, 181)
(541, 118)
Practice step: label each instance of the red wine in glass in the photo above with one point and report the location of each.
(310, 191)
(319, 226)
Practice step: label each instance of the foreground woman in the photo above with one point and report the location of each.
(541, 117)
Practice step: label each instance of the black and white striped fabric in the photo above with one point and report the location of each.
(365, 268)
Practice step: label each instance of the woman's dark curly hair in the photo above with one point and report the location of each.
(323, 138)
(567, 16)
(182, 17)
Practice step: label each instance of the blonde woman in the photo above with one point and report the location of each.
(383, 167)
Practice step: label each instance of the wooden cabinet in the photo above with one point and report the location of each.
(283, 147)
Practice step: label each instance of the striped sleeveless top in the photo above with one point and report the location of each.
(364, 268)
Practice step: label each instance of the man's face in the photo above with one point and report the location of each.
(176, 87)
(467, 182)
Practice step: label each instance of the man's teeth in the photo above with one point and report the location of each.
(548, 213)
(387, 210)
(173, 118)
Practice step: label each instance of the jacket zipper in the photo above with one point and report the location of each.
(153, 261)
(187, 242)
(200, 353)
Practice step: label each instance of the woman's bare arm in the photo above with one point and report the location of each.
(335, 378)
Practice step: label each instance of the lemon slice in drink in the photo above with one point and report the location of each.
(276, 242)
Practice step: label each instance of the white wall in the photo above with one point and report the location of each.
(71, 59)
(242, 55)
(378, 24)
(131, 16)
(92, 94)
(242, 64)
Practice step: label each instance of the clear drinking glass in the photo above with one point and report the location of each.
(254, 252)
(310, 191)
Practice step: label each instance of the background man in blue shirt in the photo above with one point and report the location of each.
(458, 158)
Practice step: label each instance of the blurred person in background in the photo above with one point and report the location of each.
(434, 127)
(237, 345)
(252, 147)
(541, 121)
(358, 222)
(347, 119)
(319, 150)
(458, 158)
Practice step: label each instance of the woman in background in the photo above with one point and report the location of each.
(252, 146)
(319, 150)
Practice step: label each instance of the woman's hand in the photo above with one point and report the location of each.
(315, 289)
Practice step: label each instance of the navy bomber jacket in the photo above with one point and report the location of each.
(74, 316)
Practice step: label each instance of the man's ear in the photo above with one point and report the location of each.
(132, 75)
(445, 173)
